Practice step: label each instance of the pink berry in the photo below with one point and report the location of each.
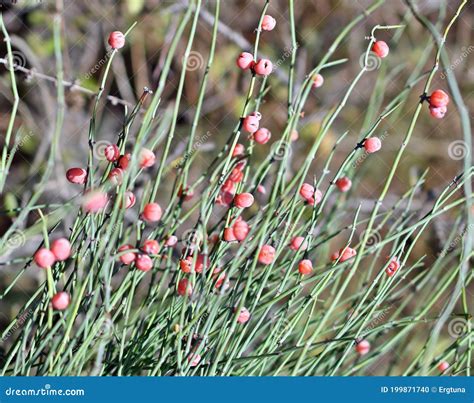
(362, 347)
(116, 40)
(294, 135)
(128, 257)
(115, 176)
(268, 23)
(76, 175)
(250, 124)
(438, 98)
(243, 200)
(266, 254)
(44, 258)
(241, 230)
(380, 48)
(344, 254)
(372, 144)
(317, 197)
(151, 247)
(147, 158)
(222, 282)
(393, 266)
(298, 243)
(261, 189)
(236, 175)
(238, 150)
(61, 301)
(194, 359)
(124, 160)
(256, 114)
(244, 315)
(443, 366)
(306, 191)
(439, 112)
(171, 241)
(184, 287)
(143, 262)
(262, 135)
(61, 249)
(245, 60)
(305, 267)
(318, 80)
(130, 200)
(229, 235)
(225, 198)
(94, 201)
(228, 186)
(111, 153)
(344, 184)
(152, 212)
(263, 67)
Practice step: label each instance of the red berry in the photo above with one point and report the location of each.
(184, 287)
(61, 249)
(250, 124)
(116, 40)
(115, 176)
(297, 243)
(76, 175)
(372, 144)
(245, 60)
(236, 175)
(261, 189)
(130, 200)
(256, 114)
(147, 158)
(380, 48)
(266, 254)
(344, 184)
(439, 112)
(61, 301)
(305, 267)
(443, 366)
(243, 200)
(393, 266)
(263, 67)
(438, 98)
(344, 254)
(186, 194)
(152, 212)
(171, 241)
(238, 150)
(317, 197)
(362, 347)
(111, 153)
(268, 23)
(225, 198)
(151, 247)
(124, 160)
(229, 235)
(44, 258)
(128, 257)
(241, 230)
(306, 191)
(143, 262)
(294, 135)
(262, 135)
(94, 201)
(244, 315)
(318, 80)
